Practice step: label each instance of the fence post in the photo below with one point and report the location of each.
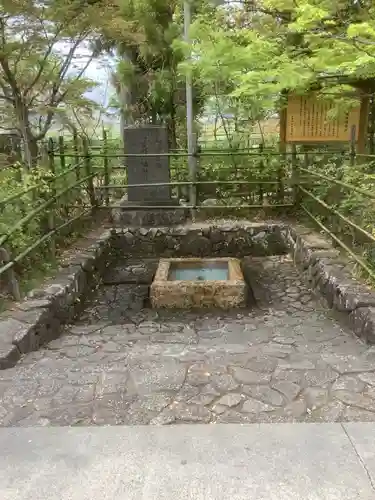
(44, 152)
(65, 179)
(76, 158)
(193, 163)
(19, 172)
(280, 175)
(51, 213)
(106, 167)
(62, 153)
(261, 168)
(21, 201)
(295, 177)
(352, 146)
(88, 170)
(10, 275)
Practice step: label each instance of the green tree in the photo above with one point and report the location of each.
(149, 86)
(340, 36)
(44, 52)
(260, 48)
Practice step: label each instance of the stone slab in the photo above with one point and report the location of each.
(126, 215)
(265, 462)
(147, 139)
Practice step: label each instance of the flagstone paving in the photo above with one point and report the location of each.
(283, 360)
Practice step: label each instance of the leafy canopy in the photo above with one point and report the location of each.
(45, 49)
(260, 48)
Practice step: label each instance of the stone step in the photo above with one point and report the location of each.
(124, 216)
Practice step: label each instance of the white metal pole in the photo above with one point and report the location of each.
(192, 164)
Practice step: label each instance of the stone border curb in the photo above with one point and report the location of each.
(41, 316)
(328, 275)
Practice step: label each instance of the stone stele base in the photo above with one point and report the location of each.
(223, 294)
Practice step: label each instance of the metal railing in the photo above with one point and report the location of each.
(76, 179)
(43, 203)
(358, 248)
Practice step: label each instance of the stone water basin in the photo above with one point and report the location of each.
(198, 283)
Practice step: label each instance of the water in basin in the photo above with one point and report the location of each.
(198, 272)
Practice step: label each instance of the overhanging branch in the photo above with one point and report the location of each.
(57, 99)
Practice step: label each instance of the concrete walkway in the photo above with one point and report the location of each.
(201, 462)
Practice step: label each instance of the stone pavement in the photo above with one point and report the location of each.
(285, 360)
(189, 462)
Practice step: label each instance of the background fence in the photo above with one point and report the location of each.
(41, 210)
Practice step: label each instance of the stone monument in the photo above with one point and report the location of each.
(143, 141)
(147, 140)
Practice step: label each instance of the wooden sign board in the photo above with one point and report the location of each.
(307, 121)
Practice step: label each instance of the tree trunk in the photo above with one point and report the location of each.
(125, 98)
(172, 123)
(371, 131)
(154, 116)
(126, 117)
(30, 147)
(31, 151)
(30, 144)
